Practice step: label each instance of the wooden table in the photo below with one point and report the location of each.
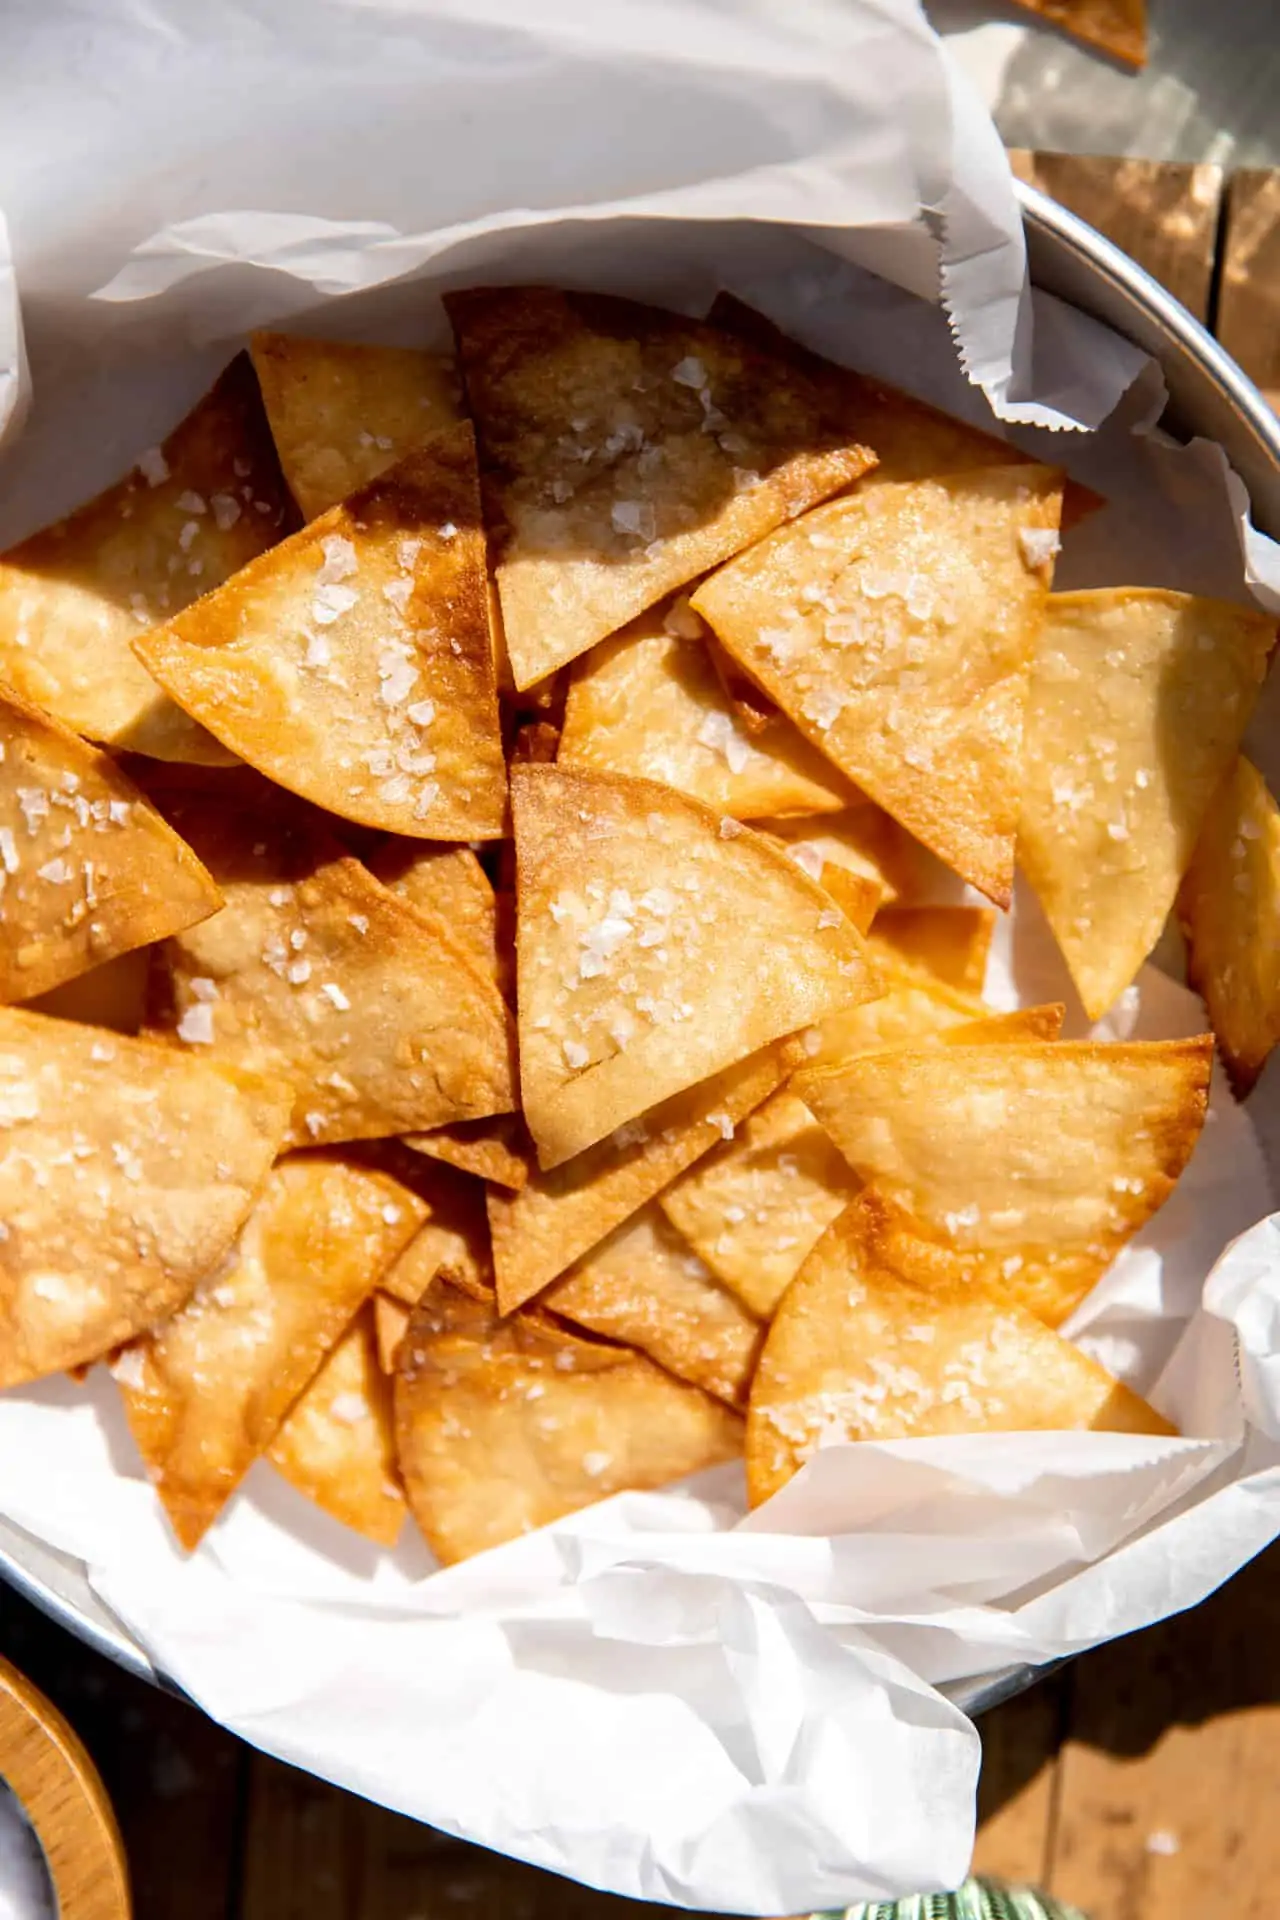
(1143, 1781)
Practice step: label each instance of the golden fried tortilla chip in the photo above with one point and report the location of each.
(857, 897)
(626, 451)
(1045, 1155)
(537, 743)
(1138, 701)
(951, 943)
(561, 1215)
(896, 627)
(454, 1238)
(449, 883)
(864, 840)
(1230, 912)
(205, 1394)
(342, 414)
(113, 995)
(337, 1444)
(125, 1173)
(506, 1425)
(860, 1350)
(1117, 27)
(74, 597)
(390, 1318)
(88, 869)
(353, 663)
(314, 973)
(657, 943)
(648, 702)
(646, 1287)
(497, 1149)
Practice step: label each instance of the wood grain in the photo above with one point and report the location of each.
(1017, 1790)
(1249, 301)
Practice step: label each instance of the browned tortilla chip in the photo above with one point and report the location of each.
(537, 743)
(1044, 1155)
(1138, 701)
(315, 973)
(860, 1349)
(648, 701)
(863, 839)
(857, 897)
(113, 995)
(507, 1425)
(1230, 912)
(627, 450)
(453, 1239)
(560, 1215)
(353, 664)
(896, 627)
(497, 1149)
(205, 1394)
(88, 869)
(449, 883)
(125, 1175)
(337, 1444)
(342, 414)
(390, 1318)
(657, 943)
(646, 1287)
(74, 597)
(1117, 27)
(951, 943)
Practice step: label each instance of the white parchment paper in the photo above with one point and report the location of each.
(659, 1696)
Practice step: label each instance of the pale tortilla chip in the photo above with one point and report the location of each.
(126, 1173)
(864, 840)
(353, 663)
(1230, 912)
(74, 597)
(506, 1425)
(497, 1150)
(1117, 27)
(626, 451)
(88, 869)
(1044, 1155)
(314, 973)
(113, 995)
(342, 414)
(450, 883)
(896, 627)
(453, 1239)
(951, 943)
(860, 1350)
(390, 1319)
(648, 702)
(655, 948)
(1138, 701)
(205, 1394)
(559, 1216)
(646, 1287)
(337, 1444)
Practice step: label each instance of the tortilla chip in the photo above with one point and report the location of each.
(951, 943)
(497, 1149)
(645, 1287)
(864, 840)
(506, 1425)
(857, 897)
(341, 414)
(861, 1350)
(88, 869)
(314, 973)
(337, 1444)
(390, 1319)
(126, 1174)
(206, 1393)
(559, 1216)
(654, 949)
(536, 744)
(113, 995)
(626, 451)
(74, 597)
(1117, 27)
(1138, 702)
(454, 1238)
(450, 884)
(648, 702)
(353, 663)
(751, 709)
(896, 627)
(914, 1005)
(1230, 912)
(1045, 1155)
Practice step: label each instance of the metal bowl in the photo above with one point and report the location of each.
(1208, 396)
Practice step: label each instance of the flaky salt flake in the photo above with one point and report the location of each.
(153, 466)
(595, 1463)
(633, 517)
(196, 1025)
(808, 858)
(719, 733)
(335, 996)
(1163, 1841)
(681, 622)
(56, 872)
(349, 1409)
(422, 712)
(730, 829)
(723, 1122)
(226, 511)
(331, 602)
(689, 372)
(823, 706)
(298, 973)
(359, 921)
(8, 850)
(1038, 545)
(203, 988)
(576, 1055)
(339, 561)
(129, 1369)
(829, 917)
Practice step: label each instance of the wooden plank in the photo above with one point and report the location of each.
(1016, 1794)
(1249, 299)
(1163, 214)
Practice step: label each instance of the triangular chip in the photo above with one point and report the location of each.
(450, 883)
(1046, 1155)
(88, 869)
(896, 627)
(205, 1394)
(338, 1444)
(314, 973)
(559, 1216)
(74, 597)
(627, 450)
(654, 949)
(113, 995)
(1117, 27)
(646, 1287)
(951, 943)
(352, 664)
(497, 1150)
(649, 702)
(863, 839)
(342, 414)
(126, 1174)
(1230, 912)
(390, 1319)
(1138, 702)
(506, 1425)
(861, 1350)
(453, 1239)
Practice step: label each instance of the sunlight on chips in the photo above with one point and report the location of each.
(337, 1444)
(1230, 912)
